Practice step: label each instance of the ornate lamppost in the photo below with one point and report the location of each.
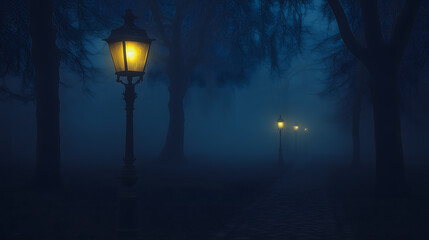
(280, 125)
(129, 47)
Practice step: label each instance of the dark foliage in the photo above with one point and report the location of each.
(341, 64)
(78, 23)
(225, 38)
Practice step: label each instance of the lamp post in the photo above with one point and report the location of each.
(129, 47)
(280, 125)
(296, 129)
(306, 143)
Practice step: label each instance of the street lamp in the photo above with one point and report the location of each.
(296, 129)
(280, 125)
(305, 142)
(129, 47)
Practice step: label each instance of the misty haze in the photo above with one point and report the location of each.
(199, 119)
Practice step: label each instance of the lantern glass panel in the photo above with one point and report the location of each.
(117, 51)
(136, 53)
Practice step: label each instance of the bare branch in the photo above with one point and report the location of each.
(8, 94)
(346, 34)
(159, 19)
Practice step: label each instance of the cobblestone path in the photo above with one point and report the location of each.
(296, 207)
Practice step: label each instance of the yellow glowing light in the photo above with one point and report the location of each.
(305, 129)
(136, 56)
(131, 54)
(296, 127)
(280, 124)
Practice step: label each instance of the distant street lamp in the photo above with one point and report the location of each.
(306, 145)
(129, 47)
(280, 125)
(296, 129)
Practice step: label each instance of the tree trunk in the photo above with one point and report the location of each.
(46, 63)
(387, 127)
(173, 148)
(383, 61)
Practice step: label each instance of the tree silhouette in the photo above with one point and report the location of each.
(45, 57)
(382, 52)
(346, 72)
(38, 36)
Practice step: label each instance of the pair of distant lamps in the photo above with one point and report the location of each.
(281, 124)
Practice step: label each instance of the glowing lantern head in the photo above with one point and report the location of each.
(280, 122)
(296, 127)
(129, 47)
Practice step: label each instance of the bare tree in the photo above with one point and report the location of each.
(38, 36)
(382, 53)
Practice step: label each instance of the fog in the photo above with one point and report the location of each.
(109, 169)
(219, 120)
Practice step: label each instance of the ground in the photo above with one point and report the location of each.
(297, 206)
(219, 200)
